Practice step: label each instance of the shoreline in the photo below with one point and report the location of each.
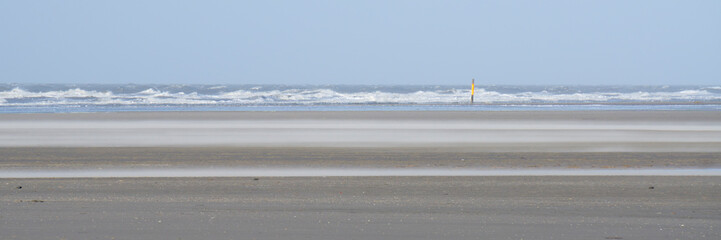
(600, 115)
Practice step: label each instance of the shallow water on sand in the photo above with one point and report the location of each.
(342, 172)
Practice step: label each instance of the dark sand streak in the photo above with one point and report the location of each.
(33, 157)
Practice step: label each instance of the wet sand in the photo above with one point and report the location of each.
(327, 157)
(394, 207)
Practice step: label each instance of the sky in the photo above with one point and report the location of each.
(572, 42)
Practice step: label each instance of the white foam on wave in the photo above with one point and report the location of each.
(601, 97)
(328, 96)
(256, 96)
(76, 92)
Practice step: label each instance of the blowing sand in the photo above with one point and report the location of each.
(395, 207)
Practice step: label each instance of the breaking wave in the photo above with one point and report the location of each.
(246, 95)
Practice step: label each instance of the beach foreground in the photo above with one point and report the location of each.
(362, 208)
(370, 207)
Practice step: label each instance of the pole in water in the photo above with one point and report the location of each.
(473, 88)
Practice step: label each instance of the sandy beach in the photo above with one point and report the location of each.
(363, 208)
(528, 131)
(324, 120)
(397, 207)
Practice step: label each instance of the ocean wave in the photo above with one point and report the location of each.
(324, 95)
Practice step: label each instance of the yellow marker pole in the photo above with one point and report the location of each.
(473, 89)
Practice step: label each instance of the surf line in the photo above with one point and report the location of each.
(339, 172)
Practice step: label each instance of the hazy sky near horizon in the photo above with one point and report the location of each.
(361, 42)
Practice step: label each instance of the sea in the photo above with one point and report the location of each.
(67, 98)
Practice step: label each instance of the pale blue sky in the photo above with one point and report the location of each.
(361, 42)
